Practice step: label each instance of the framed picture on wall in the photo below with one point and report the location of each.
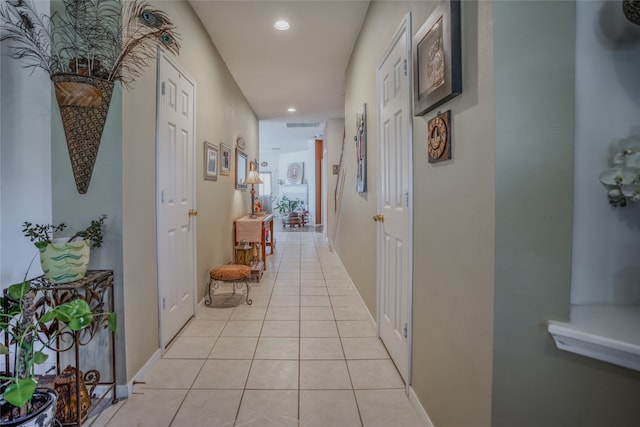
(225, 159)
(210, 161)
(241, 169)
(437, 58)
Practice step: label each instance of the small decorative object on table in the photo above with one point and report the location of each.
(622, 180)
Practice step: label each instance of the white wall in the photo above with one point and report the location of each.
(605, 241)
(25, 168)
(308, 157)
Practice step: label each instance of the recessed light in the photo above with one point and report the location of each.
(291, 110)
(281, 25)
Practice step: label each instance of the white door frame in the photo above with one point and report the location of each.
(163, 55)
(404, 28)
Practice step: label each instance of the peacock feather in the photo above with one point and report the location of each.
(144, 28)
(94, 37)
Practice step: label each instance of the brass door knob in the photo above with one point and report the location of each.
(379, 217)
(193, 212)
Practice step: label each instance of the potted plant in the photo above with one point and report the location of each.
(65, 259)
(22, 403)
(286, 205)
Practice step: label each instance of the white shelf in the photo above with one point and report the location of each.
(607, 333)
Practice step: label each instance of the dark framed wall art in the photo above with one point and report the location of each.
(437, 58)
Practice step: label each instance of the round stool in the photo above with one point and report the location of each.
(236, 274)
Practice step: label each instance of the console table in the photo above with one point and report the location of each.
(96, 288)
(254, 230)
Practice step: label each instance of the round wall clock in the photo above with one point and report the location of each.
(439, 137)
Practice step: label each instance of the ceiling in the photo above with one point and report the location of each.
(302, 67)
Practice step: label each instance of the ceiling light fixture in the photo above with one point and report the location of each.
(291, 110)
(281, 25)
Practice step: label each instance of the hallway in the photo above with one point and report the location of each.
(304, 354)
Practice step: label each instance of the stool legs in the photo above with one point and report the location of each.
(214, 284)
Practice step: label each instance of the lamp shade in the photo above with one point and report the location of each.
(253, 178)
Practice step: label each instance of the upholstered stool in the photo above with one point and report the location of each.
(236, 274)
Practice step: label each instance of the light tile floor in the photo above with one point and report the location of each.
(304, 354)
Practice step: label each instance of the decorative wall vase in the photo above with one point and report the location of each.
(64, 262)
(84, 104)
(631, 9)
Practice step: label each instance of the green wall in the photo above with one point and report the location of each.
(534, 384)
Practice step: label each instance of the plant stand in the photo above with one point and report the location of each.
(96, 288)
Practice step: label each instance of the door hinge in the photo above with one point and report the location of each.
(405, 330)
(164, 306)
(405, 67)
(162, 196)
(406, 199)
(163, 87)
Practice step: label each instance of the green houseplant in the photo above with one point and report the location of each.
(65, 259)
(285, 205)
(21, 398)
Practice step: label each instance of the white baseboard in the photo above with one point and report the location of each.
(422, 414)
(144, 371)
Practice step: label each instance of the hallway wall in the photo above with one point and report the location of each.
(222, 114)
(535, 384)
(453, 219)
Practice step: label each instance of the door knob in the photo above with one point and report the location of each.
(193, 212)
(379, 217)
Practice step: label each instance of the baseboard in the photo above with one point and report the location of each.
(144, 371)
(422, 414)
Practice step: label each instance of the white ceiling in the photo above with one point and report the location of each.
(302, 67)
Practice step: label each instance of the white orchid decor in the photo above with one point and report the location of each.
(622, 180)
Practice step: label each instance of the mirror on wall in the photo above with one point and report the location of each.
(241, 169)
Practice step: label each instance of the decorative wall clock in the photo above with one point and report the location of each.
(439, 137)
(240, 143)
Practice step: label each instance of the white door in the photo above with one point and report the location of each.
(176, 202)
(394, 198)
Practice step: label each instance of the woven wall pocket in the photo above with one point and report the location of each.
(84, 104)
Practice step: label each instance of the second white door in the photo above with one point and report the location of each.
(176, 204)
(394, 195)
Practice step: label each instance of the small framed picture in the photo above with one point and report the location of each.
(210, 161)
(225, 160)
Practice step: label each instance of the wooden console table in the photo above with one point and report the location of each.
(254, 230)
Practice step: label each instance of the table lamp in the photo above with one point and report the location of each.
(253, 178)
